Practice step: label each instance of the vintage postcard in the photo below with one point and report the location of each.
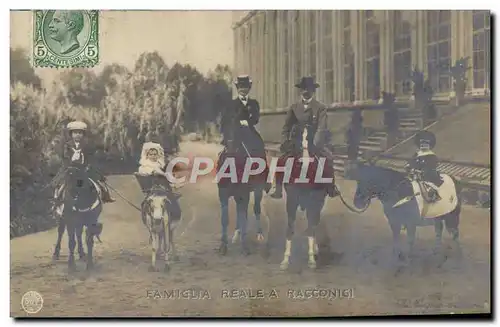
(263, 163)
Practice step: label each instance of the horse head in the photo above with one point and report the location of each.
(373, 181)
(77, 179)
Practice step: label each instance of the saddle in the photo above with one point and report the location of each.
(429, 187)
(429, 191)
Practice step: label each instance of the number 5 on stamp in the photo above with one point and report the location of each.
(65, 38)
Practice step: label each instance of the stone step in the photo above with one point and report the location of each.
(411, 114)
(340, 168)
(366, 148)
(370, 143)
(409, 129)
(410, 121)
(379, 134)
(378, 139)
(404, 125)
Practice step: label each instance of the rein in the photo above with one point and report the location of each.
(355, 210)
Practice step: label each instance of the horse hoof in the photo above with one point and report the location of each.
(82, 256)
(152, 269)
(90, 266)
(166, 269)
(284, 266)
(260, 237)
(312, 264)
(55, 257)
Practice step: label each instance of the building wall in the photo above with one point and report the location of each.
(357, 54)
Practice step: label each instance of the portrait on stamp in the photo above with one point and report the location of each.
(64, 28)
(65, 38)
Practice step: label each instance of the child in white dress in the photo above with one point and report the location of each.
(152, 160)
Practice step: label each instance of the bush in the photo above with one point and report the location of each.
(122, 108)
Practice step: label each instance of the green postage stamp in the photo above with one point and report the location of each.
(65, 38)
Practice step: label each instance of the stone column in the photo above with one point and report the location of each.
(387, 74)
(419, 41)
(467, 36)
(338, 60)
(358, 40)
(319, 73)
(279, 60)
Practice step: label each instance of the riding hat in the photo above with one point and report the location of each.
(243, 81)
(77, 126)
(307, 82)
(425, 140)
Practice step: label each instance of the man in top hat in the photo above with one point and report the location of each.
(423, 166)
(307, 111)
(242, 110)
(77, 151)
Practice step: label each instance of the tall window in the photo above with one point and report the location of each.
(286, 60)
(372, 55)
(402, 54)
(481, 48)
(312, 42)
(348, 55)
(439, 49)
(326, 25)
(298, 45)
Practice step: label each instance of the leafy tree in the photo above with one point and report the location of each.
(21, 69)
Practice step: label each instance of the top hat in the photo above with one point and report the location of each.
(243, 81)
(425, 140)
(307, 83)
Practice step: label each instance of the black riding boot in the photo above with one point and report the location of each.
(106, 195)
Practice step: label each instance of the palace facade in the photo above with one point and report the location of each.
(355, 55)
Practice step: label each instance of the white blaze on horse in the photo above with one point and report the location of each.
(306, 188)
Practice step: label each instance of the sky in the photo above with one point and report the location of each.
(200, 38)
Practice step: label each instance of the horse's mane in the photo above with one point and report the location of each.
(368, 170)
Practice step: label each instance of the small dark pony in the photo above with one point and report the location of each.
(237, 150)
(395, 192)
(81, 207)
(308, 194)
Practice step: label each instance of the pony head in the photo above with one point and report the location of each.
(372, 181)
(156, 209)
(77, 179)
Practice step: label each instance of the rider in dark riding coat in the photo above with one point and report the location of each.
(423, 166)
(77, 152)
(307, 112)
(243, 111)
